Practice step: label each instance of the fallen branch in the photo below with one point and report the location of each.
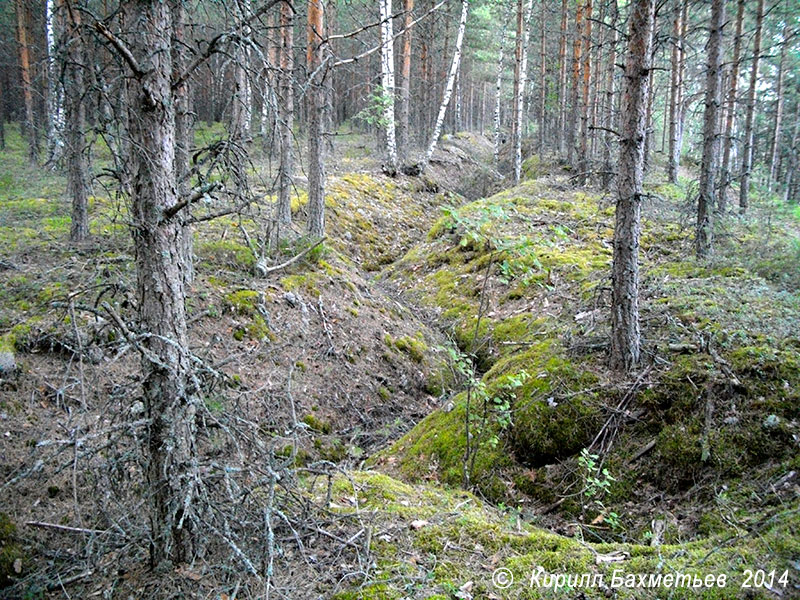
(294, 259)
(65, 529)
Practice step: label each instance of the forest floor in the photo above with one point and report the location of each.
(360, 357)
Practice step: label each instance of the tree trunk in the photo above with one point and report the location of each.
(498, 96)
(562, 78)
(316, 105)
(586, 72)
(705, 202)
(576, 82)
(519, 91)
(286, 117)
(388, 87)
(610, 113)
(648, 131)
(2, 117)
(725, 175)
(170, 389)
(75, 91)
(55, 97)
(405, 82)
(27, 87)
(448, 90)
(542, 80)
(183, 138)
(776, 132)
(790, 181)
(747, 151)
(625, 334)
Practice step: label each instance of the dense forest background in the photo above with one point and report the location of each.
(377, 299)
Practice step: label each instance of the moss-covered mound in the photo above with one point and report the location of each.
(522, 279)
(432, 543)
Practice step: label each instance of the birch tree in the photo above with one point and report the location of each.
(55, 97)
(519, 90)
(387, 85)
(625, 332)
(448, 90)
(498, 87)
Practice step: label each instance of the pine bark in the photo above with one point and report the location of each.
(727, 140)
(542, 79)
(574, 112)
(586, 75)
(625, 332)
(609, 120)
(405, 82)
(562, 78)
(747, 151)
(708, 167)
(169, 388)
(316, 105)
(286, 117)
(75, 120)
(27, 85)
(777, 129)
(183, 138)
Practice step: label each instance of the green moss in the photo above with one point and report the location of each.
(384, 393)
(244, 302)
(415, 347)
(317, 424)
(226, 253)
(11, 556)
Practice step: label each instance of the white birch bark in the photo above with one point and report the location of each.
(498, 87)
(523, 80)
(387, 83)
(448, 90)
(55, 94)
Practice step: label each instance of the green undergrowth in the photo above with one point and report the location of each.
(429, 542)
(521, 281)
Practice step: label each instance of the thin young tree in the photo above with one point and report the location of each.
(747, 151)
(779, 100)
(315, 95)
(562, 77)
(708, 166)
(183, 135)
(625, 331)
(727, 139)
(285, 117)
